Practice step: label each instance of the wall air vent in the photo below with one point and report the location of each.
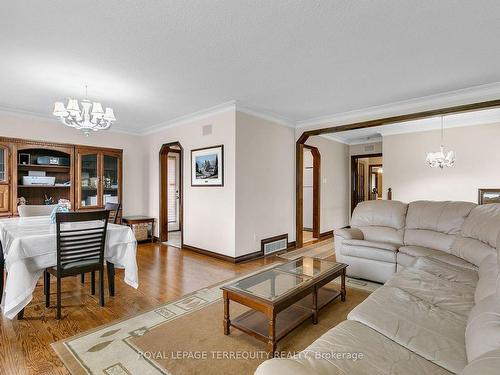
(370, 148)
(274, 244)
(206, 129)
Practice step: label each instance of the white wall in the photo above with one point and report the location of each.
(334, 211)
(209, 212)
(134, 179)
(409, 176)
(265, 182)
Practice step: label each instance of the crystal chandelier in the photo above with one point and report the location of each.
(90, 118)
(438, 159)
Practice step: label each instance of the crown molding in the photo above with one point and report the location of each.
(265, 115)
(198, 115)
(451, 98)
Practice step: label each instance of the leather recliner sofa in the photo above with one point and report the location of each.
(438, 314)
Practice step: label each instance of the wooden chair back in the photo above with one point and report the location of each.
(81, 236)
(114, 208)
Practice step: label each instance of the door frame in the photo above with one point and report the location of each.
(316, 155)
(354, 166)
(163, 221)
(370, 172)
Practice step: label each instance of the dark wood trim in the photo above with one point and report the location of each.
(299, 160)
(239, 259)
(403, 118)
(222, 166)
(316, 155)
(325, 235)
(354, 165)
(163, 172)
(370, 172)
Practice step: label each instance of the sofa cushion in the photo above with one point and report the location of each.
(431, 332)
(381, 221)
(446, 271)
(483, 327)
(480, 234)
(435, 224)
(486, 364)
(370, 250)
(420, 251)
(380, 355)
(489, 276)
(457, 297)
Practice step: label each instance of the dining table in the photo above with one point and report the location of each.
(29, 246)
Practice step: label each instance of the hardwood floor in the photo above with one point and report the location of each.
(165, 273)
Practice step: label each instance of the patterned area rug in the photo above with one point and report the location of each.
(185, 337)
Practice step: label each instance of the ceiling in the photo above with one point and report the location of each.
(154, 61)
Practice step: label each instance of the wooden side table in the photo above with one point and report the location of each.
(139, 219)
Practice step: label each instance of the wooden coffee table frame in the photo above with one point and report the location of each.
(285, 313)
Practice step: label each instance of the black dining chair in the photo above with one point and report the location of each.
(114, 210)
(79, 250)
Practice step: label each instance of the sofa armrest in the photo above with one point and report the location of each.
(349, 234)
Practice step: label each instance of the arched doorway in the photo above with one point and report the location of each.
(171, 192)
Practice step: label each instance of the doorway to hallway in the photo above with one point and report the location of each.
(171, 194)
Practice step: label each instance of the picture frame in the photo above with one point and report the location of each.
(490, 195)
(207, 166)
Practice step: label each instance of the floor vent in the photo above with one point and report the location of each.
(274, 244)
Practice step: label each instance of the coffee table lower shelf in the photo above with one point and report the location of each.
(255, 323)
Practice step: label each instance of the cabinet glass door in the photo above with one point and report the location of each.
(110, 182)
(89, 180)
(4, 155)
(4, 181)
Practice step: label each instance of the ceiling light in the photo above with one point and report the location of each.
(438, 159)
(90, 118)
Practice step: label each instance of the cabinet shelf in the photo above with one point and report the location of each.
(52, 168)
(45, 186)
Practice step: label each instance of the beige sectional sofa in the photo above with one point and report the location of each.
(438, 314)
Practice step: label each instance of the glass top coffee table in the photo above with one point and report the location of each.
(282, 297)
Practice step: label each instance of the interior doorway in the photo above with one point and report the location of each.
(366, 178)
(311, 193)
(171, 194)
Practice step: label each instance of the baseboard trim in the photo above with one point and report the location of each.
(227, 258)
(326, 235)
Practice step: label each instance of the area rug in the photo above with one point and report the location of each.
(186, 337)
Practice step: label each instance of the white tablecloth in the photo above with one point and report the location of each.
(29, 246)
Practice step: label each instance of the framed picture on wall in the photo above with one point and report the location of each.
(486, 196)
(207, 166)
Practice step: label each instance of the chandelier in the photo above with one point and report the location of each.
(438, 159)
(90, 117)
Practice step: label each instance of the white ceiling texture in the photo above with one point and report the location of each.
(154, 61)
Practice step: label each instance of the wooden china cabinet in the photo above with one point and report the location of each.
(98, 177)
(89, 177)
